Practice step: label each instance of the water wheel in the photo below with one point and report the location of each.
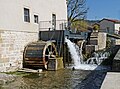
(37, 54)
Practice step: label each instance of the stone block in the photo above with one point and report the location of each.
(5, 60)
(3, 69)
(1, 65)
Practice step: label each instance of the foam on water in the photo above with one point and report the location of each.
(77, 57)
(86, 67)
(92, 63)
(74, 54)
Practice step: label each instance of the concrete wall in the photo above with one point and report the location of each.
(12, 13)
(102, 39)
(15, 34)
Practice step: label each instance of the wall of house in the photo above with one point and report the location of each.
(12, 13)
(15, 34)
(117, 28)
(104, 24)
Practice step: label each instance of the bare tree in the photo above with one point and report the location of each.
(76, 10)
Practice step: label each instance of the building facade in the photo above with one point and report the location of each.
(110, 26)
(98, 39)
(19, 25)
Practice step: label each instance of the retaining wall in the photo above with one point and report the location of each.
(12, 45)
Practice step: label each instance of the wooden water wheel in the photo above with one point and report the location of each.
(37, 54)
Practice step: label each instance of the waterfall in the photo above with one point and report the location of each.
(76, 55)
(73, 52)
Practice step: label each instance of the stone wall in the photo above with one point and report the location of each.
(117, 42)
(12, 45)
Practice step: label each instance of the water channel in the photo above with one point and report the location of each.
(84, 76)
(62, 79)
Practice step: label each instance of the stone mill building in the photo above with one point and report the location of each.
(20, 24)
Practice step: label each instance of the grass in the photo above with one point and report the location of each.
(18, 73)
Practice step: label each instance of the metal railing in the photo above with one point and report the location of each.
(48, 25)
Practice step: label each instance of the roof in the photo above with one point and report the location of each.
(111, 20)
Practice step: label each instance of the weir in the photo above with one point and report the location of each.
(76, 55)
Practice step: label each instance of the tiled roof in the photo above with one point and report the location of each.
(112, 20)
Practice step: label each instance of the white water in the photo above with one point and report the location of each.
(91, 63)
(76, 56)
(73, 51)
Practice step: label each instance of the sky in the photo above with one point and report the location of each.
(99, 9)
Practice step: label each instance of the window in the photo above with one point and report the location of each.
(26, 15)
(53, 21)
(119, 31)
(35, 18)
(108, 29)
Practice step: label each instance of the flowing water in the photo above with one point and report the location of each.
(76, 55)
(64, 78)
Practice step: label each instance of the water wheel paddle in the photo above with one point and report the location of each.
(37, 54)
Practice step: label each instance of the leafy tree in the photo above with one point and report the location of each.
(79, 25)
(96, 27)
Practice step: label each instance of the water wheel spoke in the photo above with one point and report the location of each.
(51, 48)
(39, 53)
(53, 51)
(47, 55)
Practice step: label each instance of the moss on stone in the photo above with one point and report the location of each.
(18, 73)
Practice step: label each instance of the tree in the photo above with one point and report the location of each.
(76, 10)
(79, 25)
(96, 27)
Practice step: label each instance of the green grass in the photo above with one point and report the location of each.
(18, 73)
